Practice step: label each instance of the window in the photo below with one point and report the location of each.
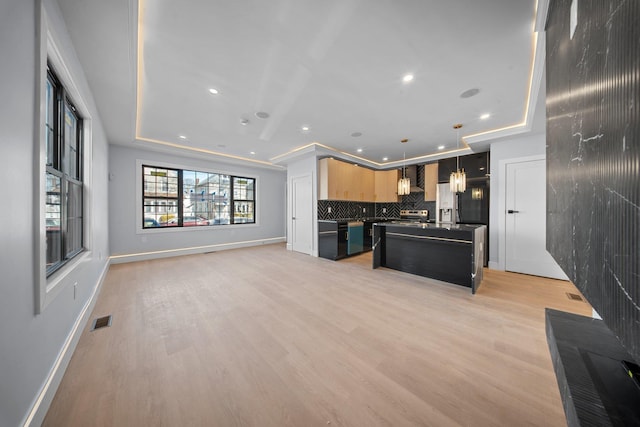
(204, 199)
(63, 176)
(243, 200)
(160, 196)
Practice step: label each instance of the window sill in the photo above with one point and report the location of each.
(58, 280)
(194, 228)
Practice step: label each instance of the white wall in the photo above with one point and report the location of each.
(511, 149)
(130, 243)
(30, 344)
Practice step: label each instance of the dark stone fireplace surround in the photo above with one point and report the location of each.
(593, 203)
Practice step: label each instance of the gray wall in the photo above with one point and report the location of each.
(128, 239)
(30, 343)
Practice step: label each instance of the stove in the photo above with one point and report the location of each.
(417, 215)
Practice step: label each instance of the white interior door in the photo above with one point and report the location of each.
(301, 214)
(525, 221)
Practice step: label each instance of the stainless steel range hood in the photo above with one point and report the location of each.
(411, 172)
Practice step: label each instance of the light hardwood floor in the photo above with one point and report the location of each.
(267, 337)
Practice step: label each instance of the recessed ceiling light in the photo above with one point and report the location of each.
(359, 150)
(305, 128)
(407, 78)
(356, 134)
(469, 93)
(221, 145)
(182, 137)
(252, 153)
(485, 116)
(440, 147)
(384, 159)
(213, 91)
(244, 122)
(262, 115)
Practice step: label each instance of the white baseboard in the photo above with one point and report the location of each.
(145, 256)
(48, 391)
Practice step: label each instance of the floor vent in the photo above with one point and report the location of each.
(574, 297)
(101, 322)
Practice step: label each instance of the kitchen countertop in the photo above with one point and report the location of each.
(372, 219)
(432, 225)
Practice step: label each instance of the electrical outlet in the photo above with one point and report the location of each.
(364, 210)
(384, 210)
(329, 209)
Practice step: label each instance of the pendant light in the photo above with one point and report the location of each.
(404, 184)
(458, 179)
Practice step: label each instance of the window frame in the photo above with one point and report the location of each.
(140, 197)
(234, 200)
(49, 42)
(60, 167)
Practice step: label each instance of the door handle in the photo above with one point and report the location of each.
(511, 211)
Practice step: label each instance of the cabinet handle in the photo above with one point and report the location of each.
(346, 235)
(511, 211)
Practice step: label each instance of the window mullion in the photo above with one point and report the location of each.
(64, 187)
(232, 219)
(180, 199)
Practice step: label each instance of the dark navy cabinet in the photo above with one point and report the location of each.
(476, 166)
(368, 235)
(332, 239)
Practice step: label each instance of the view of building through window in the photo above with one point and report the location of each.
(186, 198)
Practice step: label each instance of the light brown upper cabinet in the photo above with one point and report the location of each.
(329, 180)
(344, 181)
(339, 180)
(430, 181)
(386, 186)
(363, 180)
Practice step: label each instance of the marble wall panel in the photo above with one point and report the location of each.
(593, 156)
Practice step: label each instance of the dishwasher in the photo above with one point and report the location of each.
(355, 237)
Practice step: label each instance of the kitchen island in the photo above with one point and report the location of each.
(449, 252)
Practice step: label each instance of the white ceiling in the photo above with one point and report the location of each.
(335, 66)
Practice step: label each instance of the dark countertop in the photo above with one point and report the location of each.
(432, 226)
(368, 219)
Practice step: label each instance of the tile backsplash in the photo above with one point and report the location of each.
(335, 209)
